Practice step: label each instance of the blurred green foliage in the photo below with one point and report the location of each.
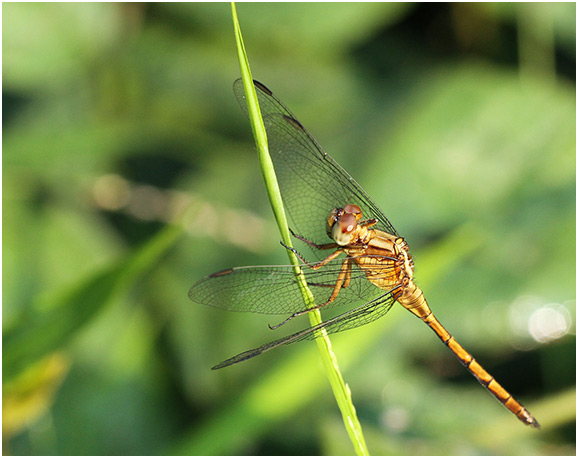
(129, 173)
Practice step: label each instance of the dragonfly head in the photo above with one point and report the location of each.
(342, 224)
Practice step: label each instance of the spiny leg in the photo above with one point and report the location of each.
(368, 222)
(324, 246)
(321, 263)
(343, 280)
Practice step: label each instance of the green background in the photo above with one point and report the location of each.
(129, 173)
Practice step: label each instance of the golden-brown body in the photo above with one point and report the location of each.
(387, 263)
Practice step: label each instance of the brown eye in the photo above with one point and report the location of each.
(347, 223)
(353, 209)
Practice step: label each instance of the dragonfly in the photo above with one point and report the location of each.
(359, 256)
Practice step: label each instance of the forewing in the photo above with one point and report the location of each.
(312, 183)
(275, 289)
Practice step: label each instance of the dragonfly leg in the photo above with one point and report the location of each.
(343, 280)
(368, 222)
(325, 246)
(296, 253)
(331, 257)
(319, 264)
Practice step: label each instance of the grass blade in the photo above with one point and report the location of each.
(340, 389)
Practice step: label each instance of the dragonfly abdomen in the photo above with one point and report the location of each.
(412, 298)
(479, 372)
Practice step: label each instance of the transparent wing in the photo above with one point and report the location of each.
(359, 316)
(275, 290)
(312, 183)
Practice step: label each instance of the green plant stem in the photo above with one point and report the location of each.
(340, 389)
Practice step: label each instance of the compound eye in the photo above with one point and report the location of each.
(347, 223)
(345, 230)
(353, 210)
